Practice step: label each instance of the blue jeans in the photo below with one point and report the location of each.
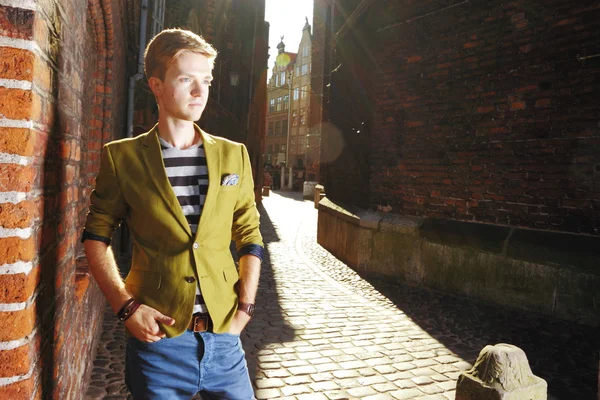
(178, 368)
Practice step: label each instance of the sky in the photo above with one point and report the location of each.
(286, 18)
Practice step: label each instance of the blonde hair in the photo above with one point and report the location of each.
(168, 45)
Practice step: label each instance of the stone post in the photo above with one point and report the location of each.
(501, 372)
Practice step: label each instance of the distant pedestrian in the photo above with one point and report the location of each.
(185, 195)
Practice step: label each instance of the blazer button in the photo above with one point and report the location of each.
(190, 279)
(196, 245)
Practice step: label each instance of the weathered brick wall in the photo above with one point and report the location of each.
(319, 79)
(345, 142)
(60, 102)
(486, 111)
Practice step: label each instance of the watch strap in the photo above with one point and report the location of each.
(248, 308)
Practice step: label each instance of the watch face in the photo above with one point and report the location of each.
(251, 309)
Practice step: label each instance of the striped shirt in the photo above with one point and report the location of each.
(188, 174)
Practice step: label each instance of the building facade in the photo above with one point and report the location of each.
(69, 83)
(278, 108)
(288, 133)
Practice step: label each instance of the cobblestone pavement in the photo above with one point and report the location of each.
(323, 332)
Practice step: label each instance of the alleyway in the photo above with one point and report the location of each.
(322, 332)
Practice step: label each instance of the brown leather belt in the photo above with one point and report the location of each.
(200, 323)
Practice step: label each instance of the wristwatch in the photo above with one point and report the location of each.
(248, 308)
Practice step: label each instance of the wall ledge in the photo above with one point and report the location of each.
(553, 273)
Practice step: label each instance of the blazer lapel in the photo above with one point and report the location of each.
(213, 164)
(151, 154)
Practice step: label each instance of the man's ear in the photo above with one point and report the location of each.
(155, 85)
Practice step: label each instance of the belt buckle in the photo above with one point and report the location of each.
(200, 323)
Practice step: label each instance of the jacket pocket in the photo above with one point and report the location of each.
(143, 279)
(229, 188)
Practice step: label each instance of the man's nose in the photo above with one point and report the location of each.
(197, 89)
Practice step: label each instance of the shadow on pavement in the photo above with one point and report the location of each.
(562, 353)
(268, 328)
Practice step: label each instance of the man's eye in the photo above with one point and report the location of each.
(185, 80)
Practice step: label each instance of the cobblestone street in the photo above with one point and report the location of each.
(322, 332)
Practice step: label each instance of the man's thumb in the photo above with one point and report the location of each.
(165, 320)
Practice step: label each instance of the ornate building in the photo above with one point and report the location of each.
(288, 135)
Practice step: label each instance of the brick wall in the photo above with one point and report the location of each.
(484, 111)
(60, 102)
(319, 79)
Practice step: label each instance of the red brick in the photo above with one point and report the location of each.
(485, 110)
(18, 288)
(20, 390)
(13, 249)
(16, 23)
(17, 324)
(17, 215)
(16, 64)
(541, 103)
(15, 362)
(16, 178)
(519, 105)
(15, 103)
(17, 141)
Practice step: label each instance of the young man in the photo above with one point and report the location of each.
(185, 195)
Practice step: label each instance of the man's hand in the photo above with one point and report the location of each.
(239, 322)
(248, 285)
(143, 324)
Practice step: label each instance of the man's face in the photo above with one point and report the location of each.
(184, 91)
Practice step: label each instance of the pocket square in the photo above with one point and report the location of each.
(230, 180)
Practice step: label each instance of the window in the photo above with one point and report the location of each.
(272, 105)
(305, 69)
(305, 50)
(294, 118)
(270, 130)
(276, 79)
(303, 92)
(296, 93)
(269, 157)
(302, 143)
(158, 16)
(278, 108)
(286, 101)
(303, 116)
(283, 147)
(282, 78)
(298, 71)
(284, 127)
(277, 128)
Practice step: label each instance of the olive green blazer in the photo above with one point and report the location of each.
(168, 261)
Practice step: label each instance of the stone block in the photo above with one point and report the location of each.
(501, 372)
(318, 194)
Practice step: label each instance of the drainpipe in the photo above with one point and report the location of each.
(251, 88)
(140, 67)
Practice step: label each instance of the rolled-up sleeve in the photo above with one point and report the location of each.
(245, 230)
(253, 249)
(107, 205)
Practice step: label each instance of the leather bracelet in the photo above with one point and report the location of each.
(133, 308)
(127, 309)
